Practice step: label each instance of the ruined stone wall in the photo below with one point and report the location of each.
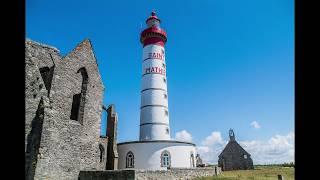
(112, 153)
(103, 147)
(57, 146)
(171, 174)
(37, 104)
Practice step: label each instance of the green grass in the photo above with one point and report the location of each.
(259, 173)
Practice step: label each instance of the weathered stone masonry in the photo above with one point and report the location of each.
(112, 162)
(138, 174)
(234, 157)
(63, 112)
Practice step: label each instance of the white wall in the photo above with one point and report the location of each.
(147, 155)
(153, 81)
(156, 97)
(154, 131)
(153, 114)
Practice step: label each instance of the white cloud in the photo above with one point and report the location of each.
(211, 147)
(255, 124)
(183, 136)
(214, 138)
(277, 149)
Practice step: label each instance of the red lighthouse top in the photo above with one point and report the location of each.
(153, 34)
(153, 16)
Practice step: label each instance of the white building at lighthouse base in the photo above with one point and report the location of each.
(156, 155)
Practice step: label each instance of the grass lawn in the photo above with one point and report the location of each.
(259, 173)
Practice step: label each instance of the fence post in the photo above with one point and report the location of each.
(280, 177)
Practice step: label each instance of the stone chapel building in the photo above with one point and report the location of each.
(234, 157)
(63, 101)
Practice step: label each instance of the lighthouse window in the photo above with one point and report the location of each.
(130, 160)
(167, 130)
(163, 65)
(166, 112)
(165, 159)
(164, 80)
(165, 96)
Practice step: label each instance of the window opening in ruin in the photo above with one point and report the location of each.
(77, 109)
(104, 119)
(165, 159)
(102, 152)
(245, 156)
(47, 75)
(130, 160)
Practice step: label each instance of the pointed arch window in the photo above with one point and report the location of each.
(165, 159)
(79, 100)
(130, 160)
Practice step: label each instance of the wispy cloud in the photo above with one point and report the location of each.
(183, 136)
(255, 125)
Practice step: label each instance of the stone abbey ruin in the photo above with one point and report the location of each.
(63, 101)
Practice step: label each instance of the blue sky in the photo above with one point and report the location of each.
(229, 62)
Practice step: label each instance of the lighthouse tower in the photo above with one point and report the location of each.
(154, 113)
(155, 150)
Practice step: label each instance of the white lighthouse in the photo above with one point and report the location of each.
(154, 113)
(155, 150)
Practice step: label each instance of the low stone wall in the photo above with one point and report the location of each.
(176, 173)
(170, 174)
(107, 175)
